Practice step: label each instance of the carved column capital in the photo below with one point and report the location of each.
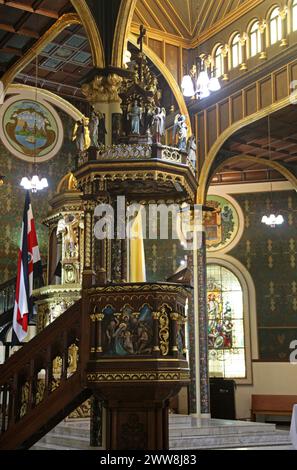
(243, 39)
(283, 13)
(262, 26)
(103, 89)
(225, 50)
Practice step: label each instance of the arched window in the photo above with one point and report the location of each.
(226, 339)
(218, 62)
(294, 15)
(236, 51)
(255, 39)
(275, 26)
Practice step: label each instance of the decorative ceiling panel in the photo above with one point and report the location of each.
(185, 18)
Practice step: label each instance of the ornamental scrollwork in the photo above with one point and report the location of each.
(164, 332)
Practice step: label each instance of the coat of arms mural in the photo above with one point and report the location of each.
(222, 224)
(31, 129)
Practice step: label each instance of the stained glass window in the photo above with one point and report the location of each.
(225, 324)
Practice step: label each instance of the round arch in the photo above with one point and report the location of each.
(168, 77)
(250, 307)
(249, 28)
(62, 23)
(212, 154)
(122, 30)
(93, 34)
(257, 160)
(51, 97)
(230, 42)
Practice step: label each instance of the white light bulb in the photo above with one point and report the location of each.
(44, 183)
(187, 86)
(203, 79)
(214, 84)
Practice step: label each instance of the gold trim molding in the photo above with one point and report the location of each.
(92, 31)
(138, 376)
(52, 98)
(211, 156)
(192, 42)
(62, 23)
(262, 161)
(122, 31)
(224, 22)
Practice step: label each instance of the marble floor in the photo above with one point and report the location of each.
(188, 432)
(185, 433)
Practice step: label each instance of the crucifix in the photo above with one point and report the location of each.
(142, 34)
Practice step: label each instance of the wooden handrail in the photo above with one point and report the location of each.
(31, 376)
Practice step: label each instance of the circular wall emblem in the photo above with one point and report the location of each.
(31, 129)
(224, 226)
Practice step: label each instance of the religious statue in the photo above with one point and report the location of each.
(68, 226)
(81, 135)
(180, 130)
(135, 116)
(97, 129)
(192, 149)
(94, 129)
(158, 124)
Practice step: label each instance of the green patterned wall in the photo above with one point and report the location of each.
(12, 198)
(270, 255)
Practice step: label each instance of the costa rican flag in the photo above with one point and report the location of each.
(29, 267)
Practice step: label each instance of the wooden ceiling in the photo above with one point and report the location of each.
(253, 141)
(185, 18)
(22, 23)
(62, 63)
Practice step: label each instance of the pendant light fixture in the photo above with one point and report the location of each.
(35, 183)
(199, 86)
(274, 218)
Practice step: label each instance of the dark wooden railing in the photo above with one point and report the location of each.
(41, 383)
(132, 333)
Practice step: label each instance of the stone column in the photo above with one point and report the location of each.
(242, 41)
(283, 16)
(262, 29)
(225, 52)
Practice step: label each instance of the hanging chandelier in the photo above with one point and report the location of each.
(272, 219)
(34, 183)
(199, 86)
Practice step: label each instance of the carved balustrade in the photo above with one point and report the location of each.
(137, 152)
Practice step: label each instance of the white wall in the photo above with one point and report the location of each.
(271, 378)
